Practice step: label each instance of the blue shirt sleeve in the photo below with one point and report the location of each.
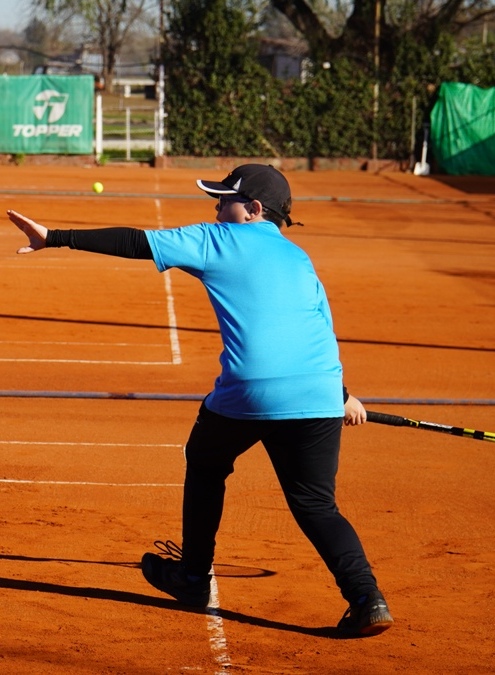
(182, 247)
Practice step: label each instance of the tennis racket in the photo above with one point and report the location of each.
(397, 421)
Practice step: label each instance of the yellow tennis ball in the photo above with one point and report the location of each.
(98, 187)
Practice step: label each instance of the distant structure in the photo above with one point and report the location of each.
(283, 58)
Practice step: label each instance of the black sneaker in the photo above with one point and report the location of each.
(371, 616)
(169, 575)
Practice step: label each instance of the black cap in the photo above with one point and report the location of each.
(255, 181)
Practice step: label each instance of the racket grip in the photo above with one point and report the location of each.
(383, 418)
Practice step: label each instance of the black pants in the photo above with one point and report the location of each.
(304, 454)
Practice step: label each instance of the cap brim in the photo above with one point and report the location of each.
(214, 188)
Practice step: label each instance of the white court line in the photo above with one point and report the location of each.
(110, 445)
(172, 320)
(214, 624)
(81, 482)
(72, 267)
(159, 217)
(72, 443)
(85, 344)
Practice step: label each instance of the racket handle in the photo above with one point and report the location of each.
(383, 418)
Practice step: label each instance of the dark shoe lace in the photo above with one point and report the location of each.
(169, 548)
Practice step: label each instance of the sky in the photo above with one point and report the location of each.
(13, 14)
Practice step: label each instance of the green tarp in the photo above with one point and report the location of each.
(46, 114)
(463, 129)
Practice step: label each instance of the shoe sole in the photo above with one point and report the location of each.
(377, 627)
(378, 624)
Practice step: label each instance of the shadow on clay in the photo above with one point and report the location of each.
(163, 603)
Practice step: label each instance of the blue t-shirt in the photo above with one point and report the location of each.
(280, 356)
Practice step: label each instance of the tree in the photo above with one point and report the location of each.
(405, 47)
(35, 35)
(107, 21)
(423, 21)
(215, 86)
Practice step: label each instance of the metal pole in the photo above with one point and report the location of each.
(161, 111)
(99, 127)
(160, 122)
(376, 86)
(155, 128)
(161, 3)
(412, 158)
(128, 132)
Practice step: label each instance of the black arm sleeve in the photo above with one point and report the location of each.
(125, 242)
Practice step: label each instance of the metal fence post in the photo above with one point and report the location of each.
(128, 133)
(412, 147)
(98, 127)
(161, 111)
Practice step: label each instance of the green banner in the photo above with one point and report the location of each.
(46, 114)
(463, 129)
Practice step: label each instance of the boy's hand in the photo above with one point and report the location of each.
(354, 411)
(35, 232)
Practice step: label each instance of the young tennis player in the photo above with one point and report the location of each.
(280, 381)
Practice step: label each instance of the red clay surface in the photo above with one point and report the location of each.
(87, 485)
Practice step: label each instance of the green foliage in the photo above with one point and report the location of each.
(221, 102)
(344, 111)
(474, 62)
(19, 158)
(215, 84)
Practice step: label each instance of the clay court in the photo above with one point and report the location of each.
(103, 362)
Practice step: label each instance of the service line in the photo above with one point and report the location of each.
(172, 320)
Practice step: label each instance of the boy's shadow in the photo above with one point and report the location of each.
(161, 603)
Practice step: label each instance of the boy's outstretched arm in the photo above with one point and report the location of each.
(125, 242)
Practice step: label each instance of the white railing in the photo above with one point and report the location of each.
(127, 129)
(117, 128)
